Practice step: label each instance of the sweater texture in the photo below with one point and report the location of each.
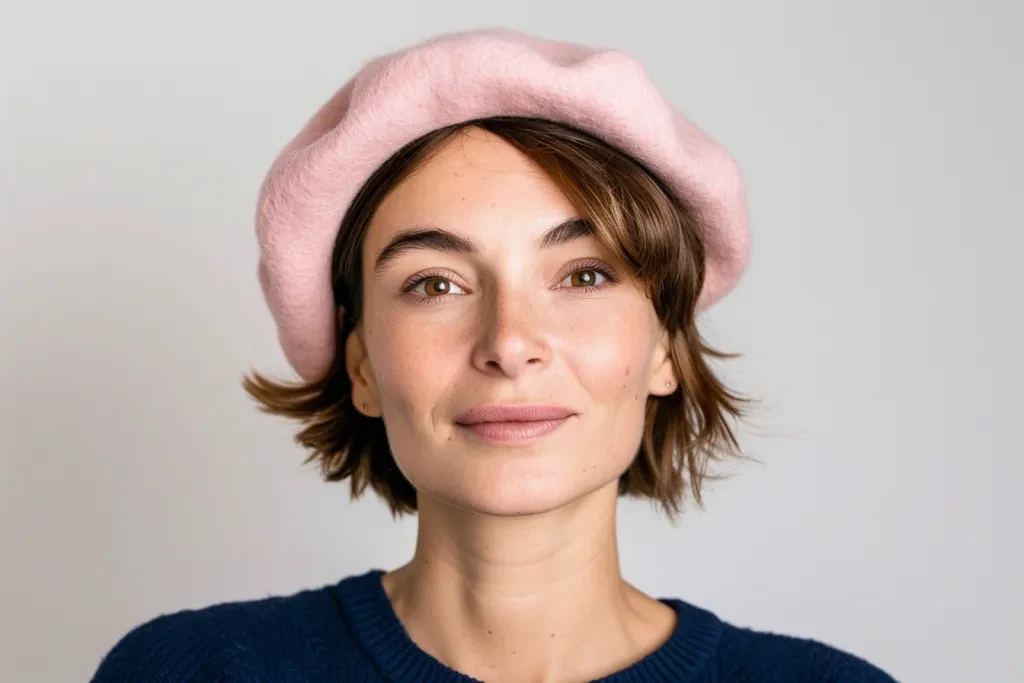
(348, 632)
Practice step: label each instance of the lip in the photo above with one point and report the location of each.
(508, 412)
(504, 423)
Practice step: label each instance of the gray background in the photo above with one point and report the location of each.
(880, 319)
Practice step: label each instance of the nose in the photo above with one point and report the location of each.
(513, 338)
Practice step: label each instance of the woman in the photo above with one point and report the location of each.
(485, 255)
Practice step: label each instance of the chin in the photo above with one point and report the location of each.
(516, 505)
(511, 493)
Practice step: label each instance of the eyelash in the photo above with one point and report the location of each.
(596, 266)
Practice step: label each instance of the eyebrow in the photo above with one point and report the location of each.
(436, 239)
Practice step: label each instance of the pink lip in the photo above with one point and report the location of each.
(496, 412)
(505, 423)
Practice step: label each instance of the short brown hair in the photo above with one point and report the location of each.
(634, 216)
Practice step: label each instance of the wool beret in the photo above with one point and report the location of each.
(457, 77)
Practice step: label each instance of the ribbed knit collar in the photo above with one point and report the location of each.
(378, 630)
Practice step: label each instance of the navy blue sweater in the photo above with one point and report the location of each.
(348, 632)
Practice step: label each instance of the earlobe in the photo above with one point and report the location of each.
(663, 375)
(364, 388)
(663, 378)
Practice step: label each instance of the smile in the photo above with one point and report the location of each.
(503, 432)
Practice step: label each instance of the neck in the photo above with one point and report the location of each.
(532, 598)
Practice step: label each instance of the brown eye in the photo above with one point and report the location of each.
(436, 286)
(585, 277)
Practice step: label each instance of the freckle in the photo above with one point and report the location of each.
(636, 396)
(489, 632)
(552, 635)
(627, 372)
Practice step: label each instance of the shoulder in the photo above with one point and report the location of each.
(773, 656)
(226, 641)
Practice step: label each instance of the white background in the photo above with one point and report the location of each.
(880, 319)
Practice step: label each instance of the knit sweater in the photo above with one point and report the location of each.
(348, 632)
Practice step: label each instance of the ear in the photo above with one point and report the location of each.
(663, 380)
(365, 397)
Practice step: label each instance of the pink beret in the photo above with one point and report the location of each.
(448, 79)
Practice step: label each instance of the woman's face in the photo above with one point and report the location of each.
(485, 308)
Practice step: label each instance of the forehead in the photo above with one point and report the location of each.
(477, 184)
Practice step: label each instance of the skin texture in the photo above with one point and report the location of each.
(515, 575)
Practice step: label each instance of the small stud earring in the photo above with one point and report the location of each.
(668, 385)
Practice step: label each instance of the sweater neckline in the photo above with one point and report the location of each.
(376, 627)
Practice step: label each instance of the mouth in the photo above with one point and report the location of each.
(512, 423)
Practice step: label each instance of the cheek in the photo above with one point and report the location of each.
(416, 367)
(612, 360)
(414, 364)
